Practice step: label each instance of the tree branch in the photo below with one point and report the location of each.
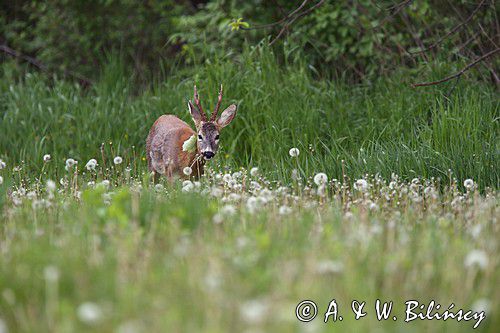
(457, 74)
(452, 31)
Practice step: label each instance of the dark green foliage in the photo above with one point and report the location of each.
(357, 39)
(384, 127)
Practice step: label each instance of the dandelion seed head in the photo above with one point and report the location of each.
(254, 172)
(284, 210)
(70, 163)
(477, 258)
(89, 313)
(159, 188)
(294, 152)
(329, 267)
(91, 164)
(2, 164)
(51, 273)
(481, 305)
(46, 158)
(117, 160)
(253, 311)
(320, 178)
(187, 171)
(361, 185)
(469, 184)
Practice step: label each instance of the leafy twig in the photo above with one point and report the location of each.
(460, 73)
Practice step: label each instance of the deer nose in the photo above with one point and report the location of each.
(208, 154)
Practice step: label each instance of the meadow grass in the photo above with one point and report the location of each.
(103, 249)
(237, 253)
(382, 127)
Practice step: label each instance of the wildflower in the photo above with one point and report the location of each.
(117, 160)
(159, 188)
(481, 305)
(254, 171)
(51, 185)
(89, 313)
(361, 185)
(320, 178)
(228, 210)
(254, 311)
(91, 183)
(329, 267)
(284, 210)
(46, 158)
(187, 171)
(469, 184)
(373, 206)
(70, 163)
(218, 218)
(216, 192)
(51, 273)
(476, 258)
(294, 152)
(187, 186)
(2, 165)
(252, 204)
(91, 165)
(255, 185)
(105, 183)
(227, 178)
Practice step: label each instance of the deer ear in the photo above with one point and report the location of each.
(227, 116)
(195, 113)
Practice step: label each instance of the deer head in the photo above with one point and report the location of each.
(208, 131)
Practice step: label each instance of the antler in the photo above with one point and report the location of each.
(214, 114)
(198, 104)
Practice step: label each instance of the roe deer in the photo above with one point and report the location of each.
(173, 145)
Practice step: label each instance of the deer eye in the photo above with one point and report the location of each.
(200, 137)
(217, 137)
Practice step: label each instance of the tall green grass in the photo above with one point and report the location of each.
(384, 126)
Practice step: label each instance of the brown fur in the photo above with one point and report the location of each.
(164, 148)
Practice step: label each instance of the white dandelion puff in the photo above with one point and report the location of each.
(187, 171)
(117, 160)
(284, 210)
(469, 184)
(477, 258)
(361, 185)
(320, 178)
(105, 183)
(187, 186)
(254, 311)
(51, 273)
(228, 210)
(159, 188)
(70, 163)
(46, 158)
(254, 171)
(329, 267)
(481, 305)
(2, 164)
(294, 152)
(227, 178)
(91, 164)
(89, 313)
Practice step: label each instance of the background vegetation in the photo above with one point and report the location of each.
(394, 194)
